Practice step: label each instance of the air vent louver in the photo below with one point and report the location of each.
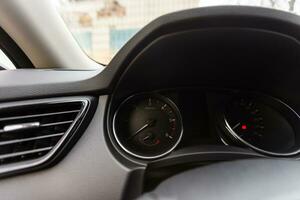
(31, 131)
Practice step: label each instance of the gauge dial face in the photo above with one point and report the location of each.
(245, 119)
(147, 126)
(259, 126)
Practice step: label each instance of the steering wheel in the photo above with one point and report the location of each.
(259, 179)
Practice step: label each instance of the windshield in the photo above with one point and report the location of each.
(102, 27)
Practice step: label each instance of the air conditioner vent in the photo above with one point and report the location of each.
(32, 131)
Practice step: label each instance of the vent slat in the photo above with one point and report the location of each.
(57, 123)
(38, 115)
(23, 153)
(30, 139)
(16, 127)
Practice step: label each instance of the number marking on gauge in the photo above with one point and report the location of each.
(164, 107)
(168, 136)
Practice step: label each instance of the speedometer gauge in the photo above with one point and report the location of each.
(147, 126)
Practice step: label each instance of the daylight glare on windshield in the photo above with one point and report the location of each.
(102, 27)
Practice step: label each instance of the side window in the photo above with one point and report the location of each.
(5, 62)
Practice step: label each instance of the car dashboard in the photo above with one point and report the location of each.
(190, 89)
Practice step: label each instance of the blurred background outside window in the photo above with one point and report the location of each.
(102, 27)
(5, 62)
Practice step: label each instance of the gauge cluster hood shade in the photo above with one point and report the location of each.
(180, 41)
(240, 17)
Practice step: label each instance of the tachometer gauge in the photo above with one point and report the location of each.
(267, 127)
(147, 126)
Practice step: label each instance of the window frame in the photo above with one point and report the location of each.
(14, 53)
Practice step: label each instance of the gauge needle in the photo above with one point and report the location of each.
(148, 124)
(237, 125)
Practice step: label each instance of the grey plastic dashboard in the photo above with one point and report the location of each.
(88, 172)
(94, 168)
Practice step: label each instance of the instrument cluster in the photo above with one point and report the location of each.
(152, 125)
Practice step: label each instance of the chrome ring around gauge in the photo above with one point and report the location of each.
(269, 129)
(147, 126)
